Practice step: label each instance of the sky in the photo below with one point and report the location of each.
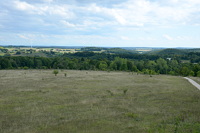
(105, 23)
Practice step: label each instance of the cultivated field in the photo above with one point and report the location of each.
(37, 101)
(36, 51)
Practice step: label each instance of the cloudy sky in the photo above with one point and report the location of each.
(128, 23)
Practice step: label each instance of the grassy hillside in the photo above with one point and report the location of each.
(37, 101)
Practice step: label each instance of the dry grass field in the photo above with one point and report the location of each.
(37, 101)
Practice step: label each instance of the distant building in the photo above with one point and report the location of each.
(169, 59)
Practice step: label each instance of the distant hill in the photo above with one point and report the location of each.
(119, 51)
(192, 50)
(93, 49)
(170, 51)
(108, 50)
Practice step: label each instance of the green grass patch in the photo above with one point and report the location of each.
(92, 101)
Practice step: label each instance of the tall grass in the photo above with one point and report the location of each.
(96, 102)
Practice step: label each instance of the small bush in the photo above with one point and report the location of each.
(133, 116)
(125, 91)
(44, 67)
(25, 67)
(110, 92)
(55, 72)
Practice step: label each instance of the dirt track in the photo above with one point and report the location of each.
(193, 83)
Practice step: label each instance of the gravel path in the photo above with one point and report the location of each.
(193, 82)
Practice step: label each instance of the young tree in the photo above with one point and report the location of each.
(151, 65)
(55, 72)
(191, 73)
(113, 66)
(103, 66)
(162, 65)
(185, 71)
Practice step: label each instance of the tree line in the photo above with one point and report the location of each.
(145, 66)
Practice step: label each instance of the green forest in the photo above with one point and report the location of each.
(167, 61)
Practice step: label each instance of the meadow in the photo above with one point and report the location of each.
(37, 101)
(196, 79)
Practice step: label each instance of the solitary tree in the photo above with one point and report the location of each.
(55, 72)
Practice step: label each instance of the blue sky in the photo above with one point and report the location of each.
(116, 23)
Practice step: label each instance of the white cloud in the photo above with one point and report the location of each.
(129, 13)
(178, 38)
(125, 38)
(119, 17)
(94, 8)
(147, 38)
(173, 1)
(145, 12)
(62, 11)
(49, 1)
(23, 37)
(123, 20)
(43, 9)
(67, 24)
(182, 38)
(28, 37)
(193, 2)
(168, 37)
(24, 6)
(132, 13)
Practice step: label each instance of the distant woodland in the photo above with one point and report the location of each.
(184, 62)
